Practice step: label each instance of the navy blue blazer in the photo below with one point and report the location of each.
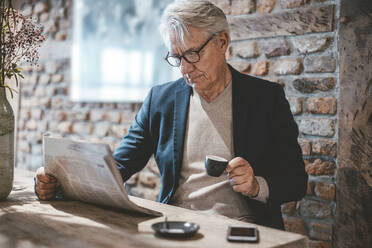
(264, 133)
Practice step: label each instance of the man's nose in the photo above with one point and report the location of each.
(186, 67)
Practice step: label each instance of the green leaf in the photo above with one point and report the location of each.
(16, 79)
(10, 90)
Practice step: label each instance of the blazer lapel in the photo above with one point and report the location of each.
(181, 107)
(243, 100)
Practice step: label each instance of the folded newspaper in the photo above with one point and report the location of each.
(88, 172)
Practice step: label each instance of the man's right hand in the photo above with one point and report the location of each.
(46, 185)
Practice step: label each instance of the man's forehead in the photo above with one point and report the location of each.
(190, 42)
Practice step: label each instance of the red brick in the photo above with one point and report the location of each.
(319, 244)
(242, 66)
(245, 49)
(289, 207)
(288, 4)
(309, 85)
(295, 225)
(127, 118)
(317, 126)
(287, 66)
(44, 17)
(148, 179)
(24, 146)
(31, 125)
(37, 114)
(310, 188)
(82, 128)
(60, 36)
(305, 146)
(320, 105)
(260, 68)
(27, 10)
(40, 7)
(276, 47)
(320, 64)
(266, 6)
(325, 147)
(113, 116)
(153, 167)
(319, 167)
(239, 7)
(310, 44)
(57, 78)
(78, 115)
(325, 190)
(118, 131)
(224, 5)
(44, 79)
(133, 179)
(101, 129)
(296, 104)
(321, 231)
(275, 80)
(65, 127)
(96, 115)
(315, 209)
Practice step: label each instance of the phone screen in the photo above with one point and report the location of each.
(242, 231)
(242, 234)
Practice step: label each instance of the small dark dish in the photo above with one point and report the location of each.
(175, 229)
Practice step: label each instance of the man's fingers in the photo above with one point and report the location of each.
(239, 188)
(246, 189)
(237, 180)
(46, 186)
(47, 196)
(45, 191)
(43, 177)
(239, 171)
(249, 188)
(235, 163)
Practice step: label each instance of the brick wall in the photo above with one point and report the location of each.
(291, 42)
(294, 43)
(45, 105)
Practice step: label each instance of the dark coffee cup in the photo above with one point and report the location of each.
(215, 165)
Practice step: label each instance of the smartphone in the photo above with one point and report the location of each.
(242, 234)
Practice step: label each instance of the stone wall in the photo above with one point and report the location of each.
(291, 42)
(294, 43)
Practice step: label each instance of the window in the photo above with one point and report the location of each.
(117, 52)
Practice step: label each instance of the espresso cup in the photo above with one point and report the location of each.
(215, 165)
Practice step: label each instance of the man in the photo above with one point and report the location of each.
(212, 110)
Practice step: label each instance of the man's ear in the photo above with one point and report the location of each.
(224, 41)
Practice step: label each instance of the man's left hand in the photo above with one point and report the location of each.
(242, 177)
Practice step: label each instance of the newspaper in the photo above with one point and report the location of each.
(87, 172)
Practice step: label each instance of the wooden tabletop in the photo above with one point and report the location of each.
(27, 222)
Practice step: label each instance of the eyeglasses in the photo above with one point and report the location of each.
(190, 56)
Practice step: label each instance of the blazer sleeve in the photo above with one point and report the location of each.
(287, 178)
(136, 147)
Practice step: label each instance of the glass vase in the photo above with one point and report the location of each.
(6, 145)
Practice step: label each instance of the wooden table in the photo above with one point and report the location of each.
(28, 222)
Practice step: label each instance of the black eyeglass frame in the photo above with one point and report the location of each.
(184, 56)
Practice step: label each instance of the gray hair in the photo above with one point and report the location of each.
(179, 15)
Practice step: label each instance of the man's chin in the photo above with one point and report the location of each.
(190, 83)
